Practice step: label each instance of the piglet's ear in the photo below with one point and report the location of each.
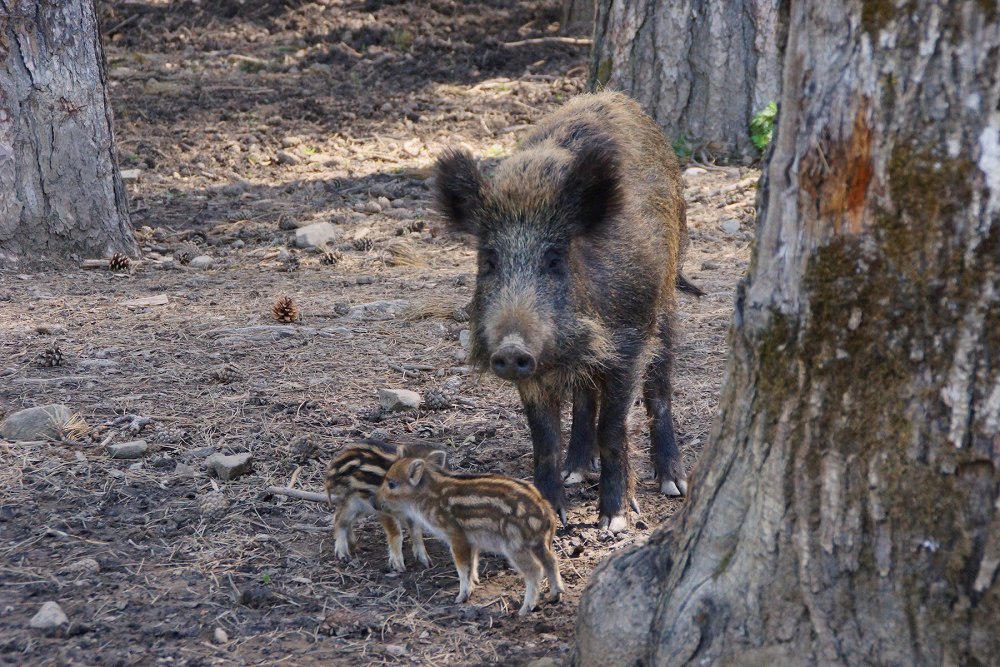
(592, 191)
(415, 471)
(438, 458)
(459, 189)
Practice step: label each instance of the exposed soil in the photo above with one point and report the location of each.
(246, 119)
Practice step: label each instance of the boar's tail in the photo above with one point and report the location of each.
(685, 285)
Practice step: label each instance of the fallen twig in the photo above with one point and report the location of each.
(574, 41)
(311, 496)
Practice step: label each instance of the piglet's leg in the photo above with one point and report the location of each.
(419, 549)
(475, 565)
(581, 453)
(547, 555)
(531, 570)
(461, 552)
(543, 420)
(342, 520)
(394, 536)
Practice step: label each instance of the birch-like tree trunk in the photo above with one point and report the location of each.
(61, 194)
(845, 511)
(702, 69)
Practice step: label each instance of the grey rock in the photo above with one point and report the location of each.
(543, 662)
(315, 235)
(41, 423)
(464, 338)
(285, 157)
(221, 636)
(731, 226)
(709, 265)
(202, 262)
(48, 617)
(128, 450)
(131, 174)
(231, 466)
(378, 310)
(398, 399)
(395, 650)
(695, 171)
(184, 470)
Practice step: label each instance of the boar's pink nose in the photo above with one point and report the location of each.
(513, 362)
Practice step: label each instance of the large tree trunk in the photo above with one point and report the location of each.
(60, 190)
(702, 69)
(846, 510)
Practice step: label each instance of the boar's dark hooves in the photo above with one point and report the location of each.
(669, 487)
(459, 188)
(685, 285)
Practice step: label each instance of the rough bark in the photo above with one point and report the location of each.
(846, 510)
(702, 69)
(61, 194)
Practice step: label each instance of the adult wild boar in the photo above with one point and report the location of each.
(580, 233)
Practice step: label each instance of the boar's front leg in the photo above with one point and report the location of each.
(542, 413)
(667, 464)
(616, 475)
(581, 454)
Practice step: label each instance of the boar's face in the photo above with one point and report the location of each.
(532, 221)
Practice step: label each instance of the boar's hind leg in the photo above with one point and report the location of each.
(616, 476)
(543, 420)
(667, 464)
(581, 454)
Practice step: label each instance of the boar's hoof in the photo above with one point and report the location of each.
(341, 550)
(513, 362)
(670, 488)
(555, 597)
(615, 524)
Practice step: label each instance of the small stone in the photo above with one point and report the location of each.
(91, 364)
(131, 174)
(202, 262)
(543, 662)
(378, 310)
(695, 171)
(48, 617)
(41, 423)
(393, 400)
(50, 329)
(221, 636)
(128, 450)
(464, 338)
(370, 207)
(315, 235)
(731, 226)
(383, 203)
(184, 470)
(285, 157)
(395, 650)
(230, 467)
(709, 265)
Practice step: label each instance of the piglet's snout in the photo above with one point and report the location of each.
(513, 361)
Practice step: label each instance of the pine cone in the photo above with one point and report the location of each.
(304, 447)
(416, 226)
(371, 414)
(227, 374)
(331, 257)
(49, 357)
(213, 504)
(341, 308)
(285, 310)
(186, 252)
(171, 436)
(291, 262)
(436, 400)
(460, 315)
(426, 431)
(119, 263)
(363, 245)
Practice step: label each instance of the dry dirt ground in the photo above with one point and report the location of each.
(246, 119)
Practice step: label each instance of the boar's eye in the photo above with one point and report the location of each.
(392, 484)
(553, 262)
(487, 262)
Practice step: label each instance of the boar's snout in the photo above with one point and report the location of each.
(513, 362)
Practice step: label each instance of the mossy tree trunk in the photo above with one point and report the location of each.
(846, 509)
(61, 194)
(702, 69)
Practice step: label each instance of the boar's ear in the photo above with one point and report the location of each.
(415, 471)
(438, 458)
(593, 189)
(459, 189)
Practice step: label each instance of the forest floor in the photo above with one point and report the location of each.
(238, 121)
